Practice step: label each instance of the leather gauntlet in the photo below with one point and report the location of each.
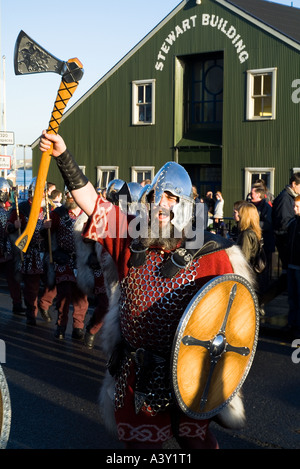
(70, 171)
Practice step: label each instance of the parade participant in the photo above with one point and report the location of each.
(8, 266)
(33, 265)
(96, 274)
(62, 221)
(154, 295)
(90, 279)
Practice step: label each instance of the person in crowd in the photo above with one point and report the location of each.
(145, 182)
(249, 229)
(293, 272)
(210, 202)
(61, 223)
(218, 209)
(9, 257)
(268, 195)
(234, 231)
(56, 197)
(265, 219)
(195, 193)
(33, 266)
(282, 214)
(249, 239)
(148, 315)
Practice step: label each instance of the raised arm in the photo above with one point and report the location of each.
(81, 188)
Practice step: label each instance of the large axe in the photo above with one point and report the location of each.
(30, 57)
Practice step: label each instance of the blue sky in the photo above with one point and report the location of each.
(98, 32)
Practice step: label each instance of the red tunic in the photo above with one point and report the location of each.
(151, 307)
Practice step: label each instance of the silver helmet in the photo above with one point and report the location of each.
(4, 190)
(134, 190)
(113, 190)
(172, 177)
(31, 187)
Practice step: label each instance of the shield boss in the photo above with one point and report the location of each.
(214, 345)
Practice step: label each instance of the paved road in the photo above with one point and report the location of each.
(54, 388)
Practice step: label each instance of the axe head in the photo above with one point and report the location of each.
(30, 57)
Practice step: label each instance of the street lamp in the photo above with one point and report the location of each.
(24, 161)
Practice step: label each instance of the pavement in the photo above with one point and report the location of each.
(54, 385)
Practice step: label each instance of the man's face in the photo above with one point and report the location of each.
(164, 209)
(255, 196)
(297, 208)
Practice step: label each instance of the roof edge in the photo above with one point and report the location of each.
(258, 22)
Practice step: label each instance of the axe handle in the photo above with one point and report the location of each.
(48, 229)
(65, 92)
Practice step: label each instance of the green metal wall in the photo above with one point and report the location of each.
(99, 130)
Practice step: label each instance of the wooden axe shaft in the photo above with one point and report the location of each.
(65, 92)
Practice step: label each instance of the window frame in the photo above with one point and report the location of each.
(138, 169)
(250, 98)
(135, 105)
(253, 170)
(101, 169)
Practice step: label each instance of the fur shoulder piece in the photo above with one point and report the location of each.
(85, 274)
(240, 265)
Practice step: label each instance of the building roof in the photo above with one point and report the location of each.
(284, 19)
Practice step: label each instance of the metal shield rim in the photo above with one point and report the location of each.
(6, 411)
(179, 333)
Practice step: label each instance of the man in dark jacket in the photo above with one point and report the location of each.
(293, 272)
(282, 213)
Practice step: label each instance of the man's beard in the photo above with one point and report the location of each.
(161, 237)
(70, 204)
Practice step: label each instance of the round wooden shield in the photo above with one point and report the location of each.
(5, 411)
(214, 345)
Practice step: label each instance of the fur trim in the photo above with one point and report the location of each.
(111, 332)
(233, 415)
(240, 265)
(106, 404)
(85, 275)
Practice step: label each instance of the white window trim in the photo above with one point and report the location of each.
(101, 169)
(248, 174)
(250, 100)
(135, 107)
(136, 169)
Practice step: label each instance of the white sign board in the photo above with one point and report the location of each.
(4, 162)
(7, 138)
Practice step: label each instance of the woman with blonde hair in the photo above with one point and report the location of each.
(250, 235)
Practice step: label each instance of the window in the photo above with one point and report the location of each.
(143, 102)
(261, 94)
(105, 174)
(140, 173)
(206, 97)
(252, 174)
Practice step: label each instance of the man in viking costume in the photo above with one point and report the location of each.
(158, 277)
(34, 264)
(9, 259)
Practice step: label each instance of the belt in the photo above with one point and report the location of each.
(143, 357)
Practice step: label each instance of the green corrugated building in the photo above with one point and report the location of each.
(215, 86)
